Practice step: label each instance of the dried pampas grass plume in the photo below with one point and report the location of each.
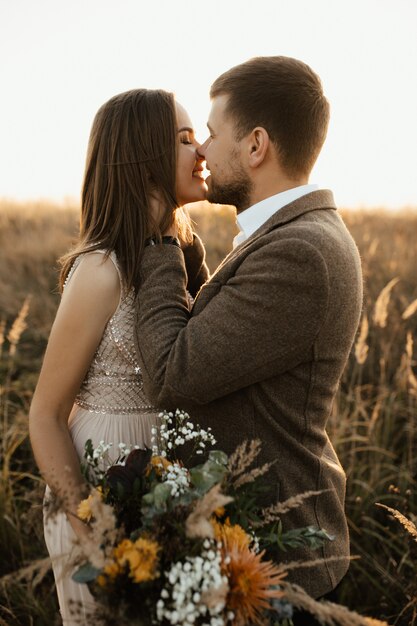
(18, 327)
(102, 526)
(361, 347)
(251, 476)
(33, 573)
(286, 567)
(2, 334)
(326, 612)
(409, 526)
(376, 411)
(405, 377)
(274, 512)
(243, 457)
(410, 310)
(198, 522)
(381, 304)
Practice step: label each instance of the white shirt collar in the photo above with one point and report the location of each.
(252, 218)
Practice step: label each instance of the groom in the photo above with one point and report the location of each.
(262, 352)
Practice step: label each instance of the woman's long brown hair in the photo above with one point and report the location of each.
(131, 157)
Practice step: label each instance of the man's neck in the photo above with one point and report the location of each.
(262, 192)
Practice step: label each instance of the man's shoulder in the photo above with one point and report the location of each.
(311, 226)
(320, 233)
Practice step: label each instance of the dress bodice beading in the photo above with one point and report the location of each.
(113, 383)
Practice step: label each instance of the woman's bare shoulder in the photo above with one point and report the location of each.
(98, 269)
(95, 278)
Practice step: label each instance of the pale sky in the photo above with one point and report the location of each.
(59, 61)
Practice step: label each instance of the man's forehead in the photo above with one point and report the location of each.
(218, 109)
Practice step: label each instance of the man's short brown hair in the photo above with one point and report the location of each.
(284, 96)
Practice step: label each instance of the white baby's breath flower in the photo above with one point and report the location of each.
(188, 582)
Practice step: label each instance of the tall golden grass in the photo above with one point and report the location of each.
(373, 422)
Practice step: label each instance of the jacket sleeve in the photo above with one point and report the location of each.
(259, 323)
(195, 264)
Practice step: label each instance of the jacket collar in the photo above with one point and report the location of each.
(320, 199)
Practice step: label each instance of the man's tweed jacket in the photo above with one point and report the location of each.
(261, 355)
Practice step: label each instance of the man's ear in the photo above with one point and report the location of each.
(258, 144)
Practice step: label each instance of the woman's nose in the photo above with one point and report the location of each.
(201, 150)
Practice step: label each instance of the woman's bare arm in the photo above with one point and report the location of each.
(88, 302)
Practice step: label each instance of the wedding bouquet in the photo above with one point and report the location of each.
(176, 545)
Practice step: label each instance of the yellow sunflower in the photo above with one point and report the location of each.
(159, 464)
(141, 556)
(110, 571)
(84, 511)
(231, 534)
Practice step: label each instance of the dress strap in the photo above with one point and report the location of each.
(112, 256)
(72, 269)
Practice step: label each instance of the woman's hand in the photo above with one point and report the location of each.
(171, 223)
(172, 231)
(80, 528)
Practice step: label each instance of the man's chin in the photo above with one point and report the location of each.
(235, 194)
(215, 197)
(214, 194)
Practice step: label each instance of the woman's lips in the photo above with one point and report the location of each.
(198, 173)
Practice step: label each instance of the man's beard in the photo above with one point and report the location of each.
(236, 192)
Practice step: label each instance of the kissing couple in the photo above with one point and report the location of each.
(256, 351)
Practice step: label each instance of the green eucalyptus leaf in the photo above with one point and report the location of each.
(86, 573)
(218, 456)
(310, 536)
(213, 470)
(204, 477)
(161, 495)
(201, 480)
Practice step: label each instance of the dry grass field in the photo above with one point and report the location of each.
(373, 424)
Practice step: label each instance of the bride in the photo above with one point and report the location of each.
(141, 163)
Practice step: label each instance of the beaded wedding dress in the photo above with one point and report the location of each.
(111, 406)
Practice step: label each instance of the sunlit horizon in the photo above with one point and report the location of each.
(61, 62)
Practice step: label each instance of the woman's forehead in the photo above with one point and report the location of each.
(183, 119)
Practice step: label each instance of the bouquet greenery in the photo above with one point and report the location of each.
(175, 545)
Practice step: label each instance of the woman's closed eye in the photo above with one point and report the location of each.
(185, 137)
